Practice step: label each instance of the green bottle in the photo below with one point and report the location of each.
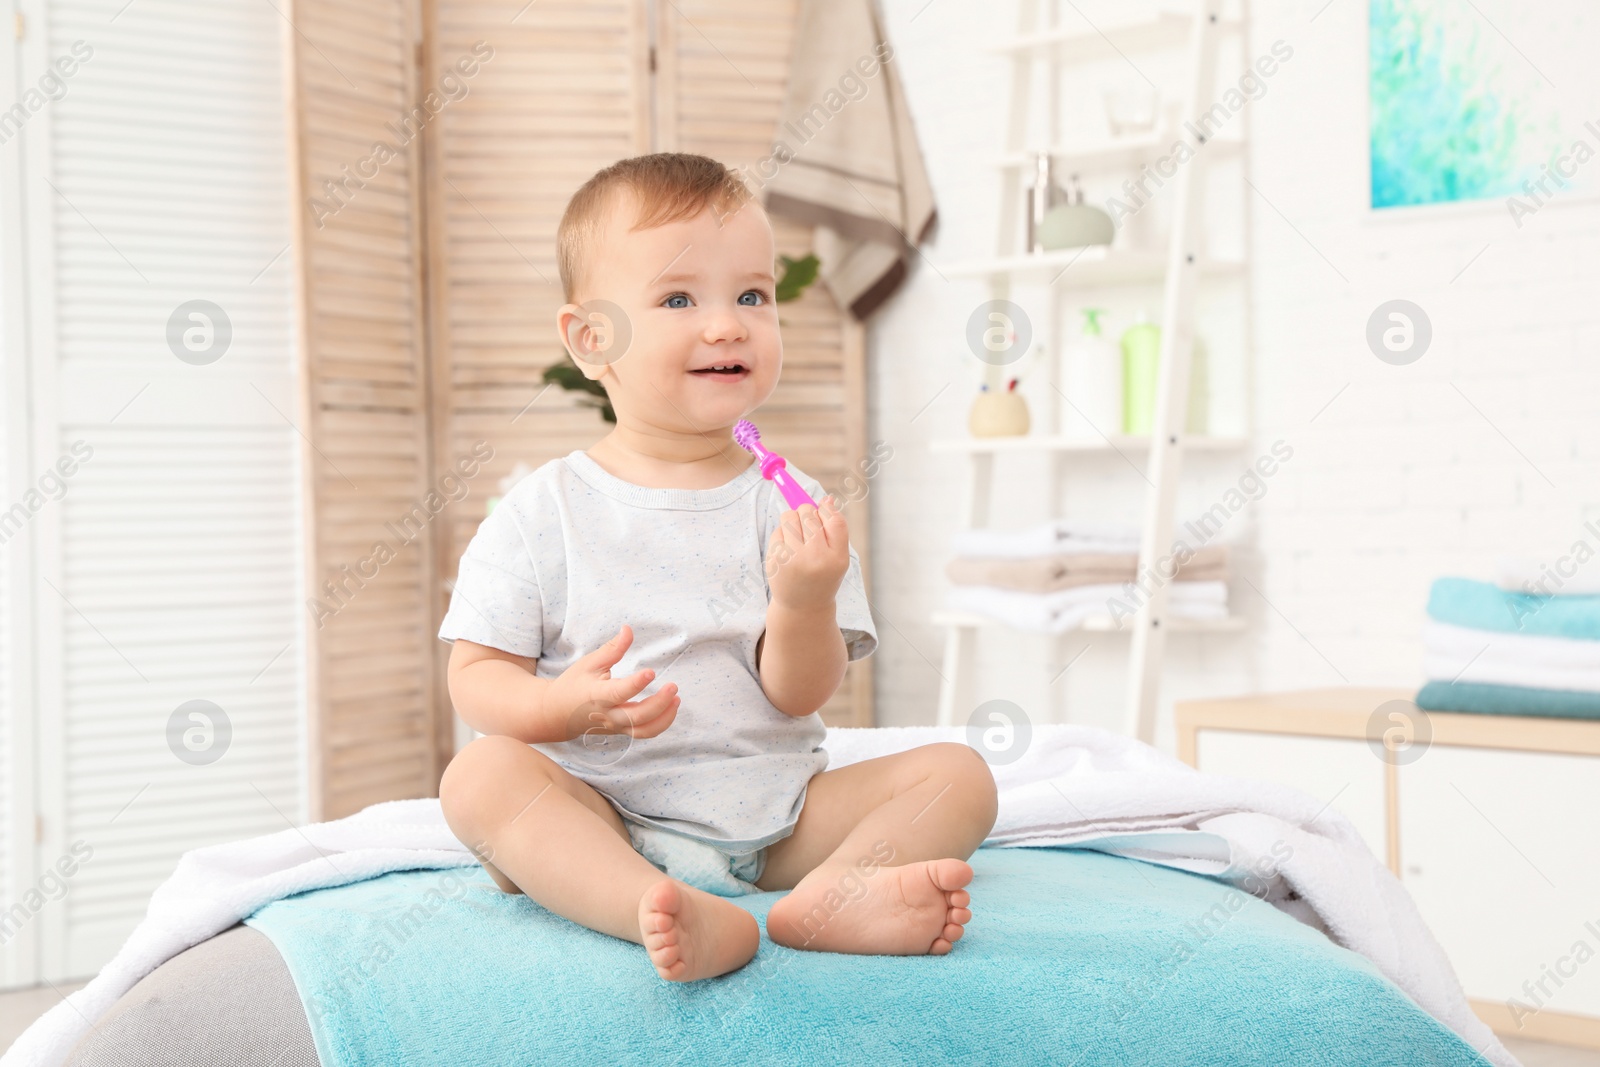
(1141, 366)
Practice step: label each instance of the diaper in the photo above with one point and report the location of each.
(698, 863)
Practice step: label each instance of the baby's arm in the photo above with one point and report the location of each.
(496, 692)
(801, 656)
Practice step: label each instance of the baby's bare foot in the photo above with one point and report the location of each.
(913, 910)
(691, 934)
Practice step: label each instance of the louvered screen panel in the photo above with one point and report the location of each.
(563, 96)
(356, 84)
(179, 555)
(10, 967)
(167, 571)
(17, 951)
(723, 72)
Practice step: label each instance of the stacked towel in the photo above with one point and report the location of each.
(1047, 538)
(1568, 575)
(1057, 576)
(1068, 570)
(1493, 651)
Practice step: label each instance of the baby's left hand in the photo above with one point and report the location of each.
(808, 555)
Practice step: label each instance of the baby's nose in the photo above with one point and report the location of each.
(724, 326)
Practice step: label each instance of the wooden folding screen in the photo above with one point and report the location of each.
(365, 412)
(431, 291)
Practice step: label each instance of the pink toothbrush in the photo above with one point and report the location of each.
(772, 464)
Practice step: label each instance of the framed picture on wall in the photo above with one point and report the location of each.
(1464, 104)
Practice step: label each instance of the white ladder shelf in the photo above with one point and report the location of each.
(1178, 270)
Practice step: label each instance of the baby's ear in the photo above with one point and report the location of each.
(592, 335)
(572, 330)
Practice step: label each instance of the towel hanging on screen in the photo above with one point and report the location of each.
(845, 158)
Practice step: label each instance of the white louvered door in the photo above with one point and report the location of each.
(18, 940)
(19, 933)
(169, 570)
(14, 962)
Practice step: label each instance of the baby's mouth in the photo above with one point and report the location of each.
(731, 370)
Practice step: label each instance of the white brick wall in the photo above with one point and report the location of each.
(1397, 481)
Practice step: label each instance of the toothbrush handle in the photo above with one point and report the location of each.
(772, 467)
(791, 490)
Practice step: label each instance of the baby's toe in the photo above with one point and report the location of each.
(666, 957)
(960, 898)
(659, 925)
(950, 874)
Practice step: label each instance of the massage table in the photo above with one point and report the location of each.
(1072, 957)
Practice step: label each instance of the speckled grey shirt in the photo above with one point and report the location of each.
(572, 552)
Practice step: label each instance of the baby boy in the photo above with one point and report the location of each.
(661, 555)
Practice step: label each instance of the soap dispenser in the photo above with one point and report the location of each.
(1075, 224)
(1091, 382)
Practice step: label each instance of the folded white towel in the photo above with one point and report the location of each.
(1459, 654)
(1074, 785)
(1068, 609)
(1047, 539)
(1524, 574)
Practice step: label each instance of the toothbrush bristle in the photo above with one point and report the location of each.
(746, 434)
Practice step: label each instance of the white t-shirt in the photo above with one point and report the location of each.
(572, 552)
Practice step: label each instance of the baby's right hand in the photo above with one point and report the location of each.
(594, 702)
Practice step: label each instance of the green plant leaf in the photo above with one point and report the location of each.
(567, 375)
(797, 274)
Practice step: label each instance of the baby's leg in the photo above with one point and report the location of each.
(559, 841)
(877, 859)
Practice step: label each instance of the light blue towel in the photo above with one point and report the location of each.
(1072, 957)
(1481, 698)
(1481, 606)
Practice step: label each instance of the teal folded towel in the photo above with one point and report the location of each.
(1482, 699)
(1072, 957)
(1481, 606)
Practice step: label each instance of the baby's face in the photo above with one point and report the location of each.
(697, 294)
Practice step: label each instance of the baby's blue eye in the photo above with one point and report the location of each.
(757, 298)
(672, 301)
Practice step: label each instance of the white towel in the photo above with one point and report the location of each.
(1524, 574)
(1073, 786)
(1047, 539)
(1069, 609)
(215, 887)
(1460, 654)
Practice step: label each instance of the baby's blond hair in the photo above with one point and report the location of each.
(668, 186)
